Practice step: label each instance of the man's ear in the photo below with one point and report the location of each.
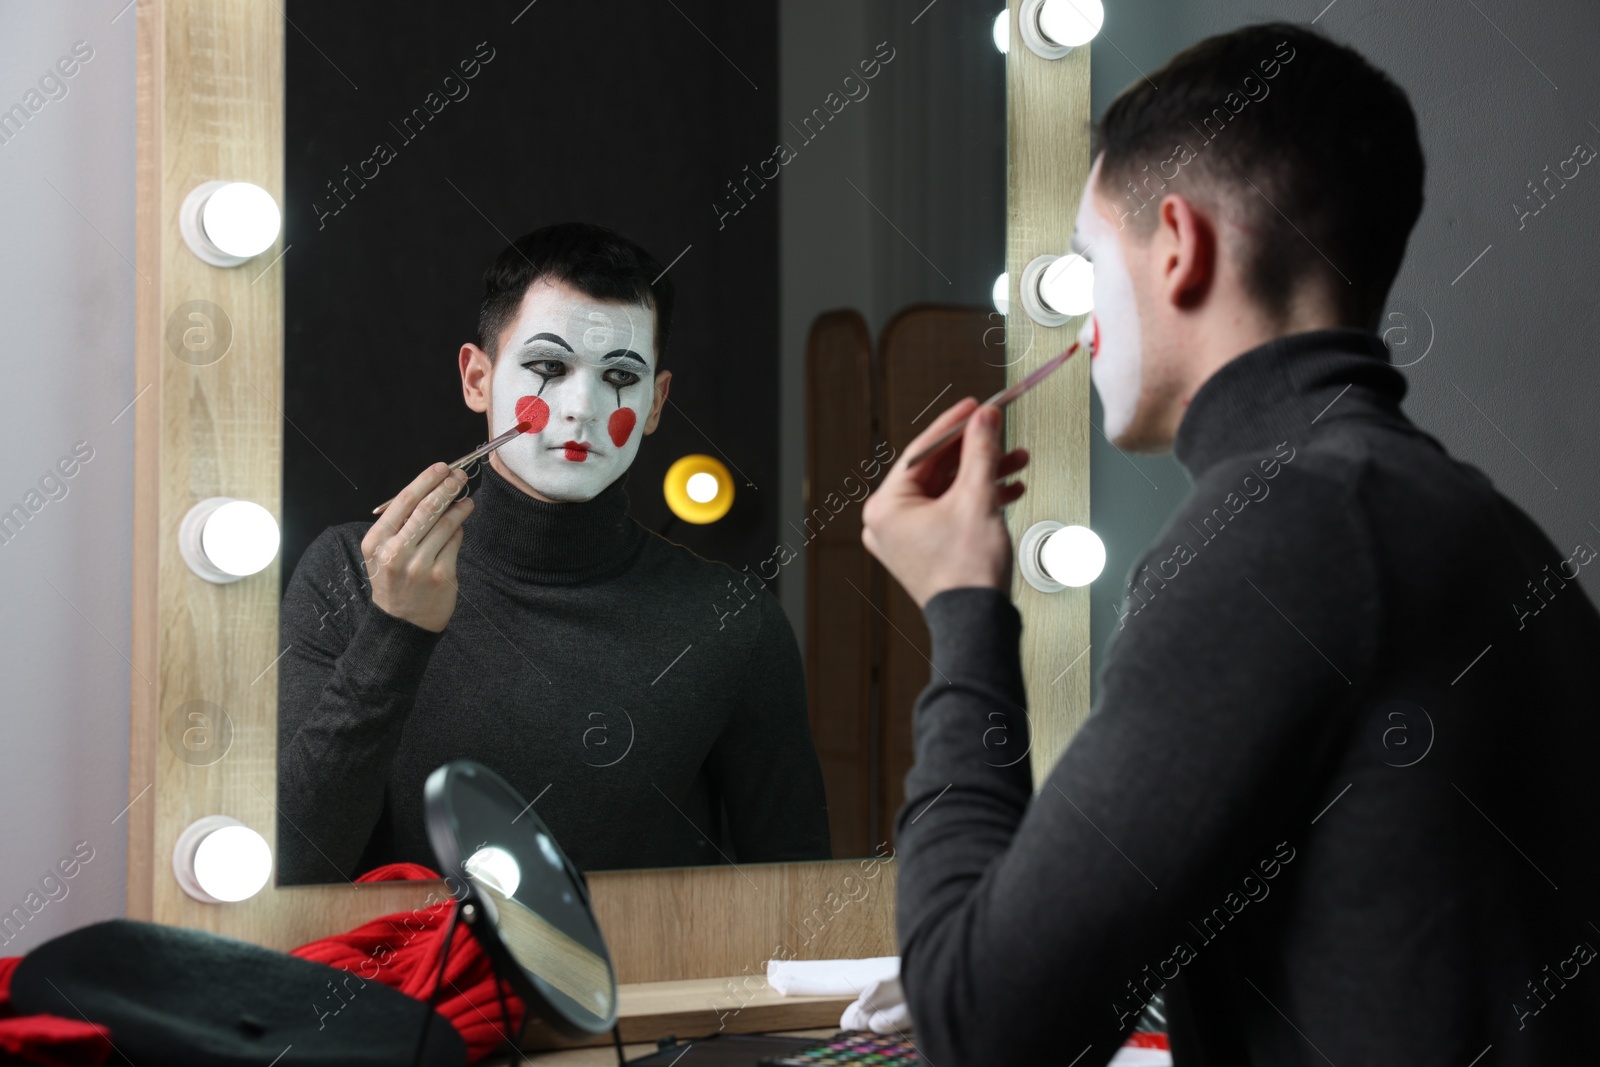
(476, 371)
(1186, 252)
(663, 383)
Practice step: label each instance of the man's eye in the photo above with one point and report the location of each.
(546, 367)
(621, 377)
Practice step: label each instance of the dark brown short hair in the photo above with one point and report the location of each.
(1315, 148)
(598, 262)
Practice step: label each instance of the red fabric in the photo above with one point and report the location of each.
(402, 951)
(1144, 1040)
(47, 1039)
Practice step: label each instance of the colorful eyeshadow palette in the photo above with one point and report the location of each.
(851, 1047)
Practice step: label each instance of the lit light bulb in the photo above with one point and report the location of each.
(1002, 32)
(1071, 22)
(240, 537)
(223, 540)
(229, 223)
(241, 219)
(220, 860)
(702, 487)
(698, 489)
(1053, 557)
(1073, 556)
(1067, 285)
(233, 863)
(1053, 28)
(496, 868)
(1002, 294)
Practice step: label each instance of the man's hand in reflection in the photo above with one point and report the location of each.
(410, 552)
(939, 525)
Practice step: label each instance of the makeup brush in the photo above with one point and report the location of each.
(473, 456)
(1002, 398)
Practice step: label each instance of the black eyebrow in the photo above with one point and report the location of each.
(548, 337)
(625, 353)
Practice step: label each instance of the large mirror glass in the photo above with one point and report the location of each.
(656, 620)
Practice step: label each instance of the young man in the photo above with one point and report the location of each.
(1333, 798)
(538, 629)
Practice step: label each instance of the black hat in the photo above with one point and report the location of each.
(175, 997)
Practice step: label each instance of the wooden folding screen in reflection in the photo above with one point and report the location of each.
(842, 628)
(866, 646)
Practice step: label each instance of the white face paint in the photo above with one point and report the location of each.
(1114, 333)
(582, 373)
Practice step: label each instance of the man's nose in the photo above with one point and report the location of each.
(582, 402)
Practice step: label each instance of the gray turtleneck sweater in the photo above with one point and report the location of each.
(637, 694)
(1336, 793)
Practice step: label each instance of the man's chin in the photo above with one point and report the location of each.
(568, 486)
(1138, 438)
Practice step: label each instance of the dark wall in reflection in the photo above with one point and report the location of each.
(405, 177)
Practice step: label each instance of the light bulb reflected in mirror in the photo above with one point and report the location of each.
(698, 489)
(1001, 294)
(496, 868)
(701, 487)
(1002, 32)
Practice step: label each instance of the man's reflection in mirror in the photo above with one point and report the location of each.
(535, 627)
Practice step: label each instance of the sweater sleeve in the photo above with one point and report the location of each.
(347, 680)
(765, 763)
(1026, 921)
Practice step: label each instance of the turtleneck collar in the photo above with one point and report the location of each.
(550, 544)
(1277, 391)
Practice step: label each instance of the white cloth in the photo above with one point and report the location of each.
(881, 1008)
(797, 978)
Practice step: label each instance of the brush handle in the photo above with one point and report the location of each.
(470, 458)
(1001, 399)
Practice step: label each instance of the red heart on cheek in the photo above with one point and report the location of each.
(533, 411)
(620, 425)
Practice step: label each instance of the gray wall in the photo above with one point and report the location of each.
(66, 316)
(1508, 384)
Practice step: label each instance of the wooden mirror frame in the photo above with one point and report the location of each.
(210, 104)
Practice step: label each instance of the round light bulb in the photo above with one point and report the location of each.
(240, 538)
(1002, 294)
(1071, 22)
(241, 219)
(1067, 285)
(1002, 32)
(702, 487)
(232, 863)
(496, 868)
(1073, 555)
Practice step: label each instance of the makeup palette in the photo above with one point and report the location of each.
(852, 1046)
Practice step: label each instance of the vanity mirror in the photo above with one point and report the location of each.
(683, 195)
(789, 310)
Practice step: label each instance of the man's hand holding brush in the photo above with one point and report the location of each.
(410, 552)
(938, 524)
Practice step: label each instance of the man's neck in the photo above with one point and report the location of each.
(1225, 333)
(505, 472)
